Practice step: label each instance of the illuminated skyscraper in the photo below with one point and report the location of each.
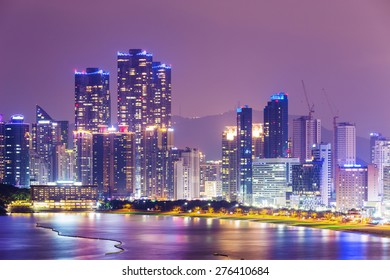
(144, 100)
(381, 157)
(17, 154)
(113, 162)
(155, 164)
(257, 140)
(306, 133)
(161, 87)
(92, 99)
(210, 174)
(187, 175)
(276, 127)
(244, 154)
(229, 163)
(345, 144)
(83, 156)
(323, 153)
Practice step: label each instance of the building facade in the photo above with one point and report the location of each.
(17, 152)
(276, 127)
(244, 154)
(306, 133)
(113, 163)
(345, 144)
(323, 153)
(64, 196)
(92, 99)
(272, 180)
(83, 157)
(187, 175)
(351, 187)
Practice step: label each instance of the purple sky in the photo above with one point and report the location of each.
(222, 52)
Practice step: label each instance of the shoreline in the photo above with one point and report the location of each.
(376, 230)
(118, 246)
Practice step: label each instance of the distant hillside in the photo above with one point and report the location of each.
(205, 133)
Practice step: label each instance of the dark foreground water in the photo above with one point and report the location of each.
(170, 238)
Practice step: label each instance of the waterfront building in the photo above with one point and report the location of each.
(323, 153)
(64, 195)
(386, 191)
(144, 100)
(65, 163)
(39, 169)
(187, 175)
(113, 162)
(351, 187)
(272, 180)
(276, 127)
(17, 154)
(229, 163)
(306, 133)
(210, 171)
(306, 184)
(381, 157)
(46, 135)
(92, 99)
(83, 156)
(244, 154)
(156, 166)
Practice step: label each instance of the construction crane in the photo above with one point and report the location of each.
(334, 111)
(310, 107)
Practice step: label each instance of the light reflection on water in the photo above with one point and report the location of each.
(164, 237)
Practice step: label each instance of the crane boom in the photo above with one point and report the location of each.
(311, 108)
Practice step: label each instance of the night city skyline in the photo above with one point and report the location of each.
(227, 57)
(195, 130)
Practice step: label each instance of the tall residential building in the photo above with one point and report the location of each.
(351, 187)
(17, 154)
(323, 152)
(306, 184)
(306, 133)
(161, 88)
(92, 99)
(386, 191)
(374, 136)
(229, 163)
(257, 140)
(276, 127)
(156, 144)
(244, 154)
(83, 156)
(381, 158)
(187, 175)
(345, 144)
(272, 179)
(374, 194)
(135, 100)
(113, 162)
(65, 163)
(144, 98)
(2, 148)
(210, 171)
(46, 134)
